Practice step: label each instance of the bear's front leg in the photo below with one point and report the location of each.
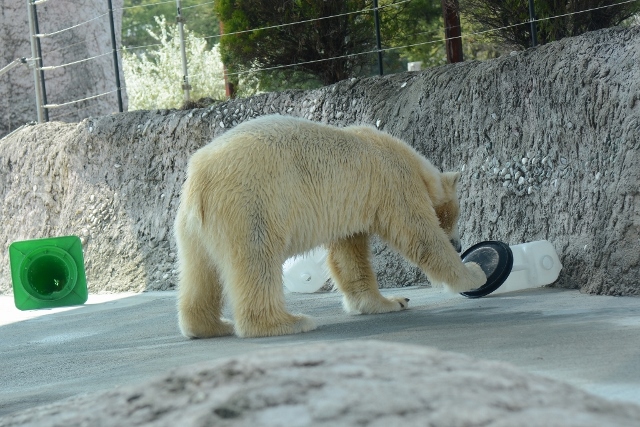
(421, 240)
(351, 270)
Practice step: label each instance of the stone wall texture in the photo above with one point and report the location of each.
(547, 139)
(17, 95)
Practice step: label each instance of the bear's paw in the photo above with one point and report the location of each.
(402, 302)
(374, 304)
(289, 324)
(477, 277)
(220, 328)
(473, 278)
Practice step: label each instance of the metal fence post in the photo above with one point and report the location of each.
(376, 17)
(34, 56)
(115, 56)
(532, 18)
(45, 110)
(185, 75)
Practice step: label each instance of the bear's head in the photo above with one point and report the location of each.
(448, 210)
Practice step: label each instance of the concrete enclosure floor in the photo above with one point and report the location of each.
(588, 341)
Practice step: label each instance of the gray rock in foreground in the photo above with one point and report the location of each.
(548, 141)
(358, 383)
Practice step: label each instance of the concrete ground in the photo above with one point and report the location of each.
(592, 342)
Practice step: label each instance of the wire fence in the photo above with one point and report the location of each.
(43, 106)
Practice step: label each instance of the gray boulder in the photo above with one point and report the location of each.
(357, 383)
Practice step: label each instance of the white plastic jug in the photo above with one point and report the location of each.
(306, 273)
(535, 264)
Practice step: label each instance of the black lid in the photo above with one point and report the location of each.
(496, 260)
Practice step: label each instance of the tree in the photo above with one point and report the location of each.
(260, 37)
(572, 17)
(154, 79)
(138, 18)
(308, 43)
(418, 25)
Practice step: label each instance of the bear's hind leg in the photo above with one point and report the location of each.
(256, 293)
(351, 270)
(199, 294)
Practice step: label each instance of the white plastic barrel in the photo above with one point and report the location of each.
(535, 264)
(306, 273)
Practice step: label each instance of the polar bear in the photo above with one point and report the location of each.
(278, 186)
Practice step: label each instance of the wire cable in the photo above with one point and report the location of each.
(145, 5)
(60, 116)
(79, 100)
(138, 47)
(53, 67)
(547, 18)
(71, 28)
(276, 67)
(13, 64)
(305, 21)
(197, 5)
(535, 20)
(65, 47)
(442, 40)
(418, 44)
(583, 11)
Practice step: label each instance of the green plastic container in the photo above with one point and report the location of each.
(48, 273)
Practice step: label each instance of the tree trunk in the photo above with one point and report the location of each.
(452, 31)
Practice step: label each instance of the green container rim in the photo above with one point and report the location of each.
(44, 252)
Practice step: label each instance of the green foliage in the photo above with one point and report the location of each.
(154, 78)
(307, 43)
(138, 18)
(417, 24)
(511, 18)
(346, 34)
(254, 82)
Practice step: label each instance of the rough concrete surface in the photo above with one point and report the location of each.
(590, 342)
(74, 82)
(358, 383)
(547, 139)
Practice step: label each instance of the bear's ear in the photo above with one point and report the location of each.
(451, 178)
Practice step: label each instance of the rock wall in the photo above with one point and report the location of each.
(17, 95)
(548, 140)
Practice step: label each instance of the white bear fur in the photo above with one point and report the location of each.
(278, 186)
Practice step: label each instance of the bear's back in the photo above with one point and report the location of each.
(280, 145)
(287, 133)
(284, 147)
